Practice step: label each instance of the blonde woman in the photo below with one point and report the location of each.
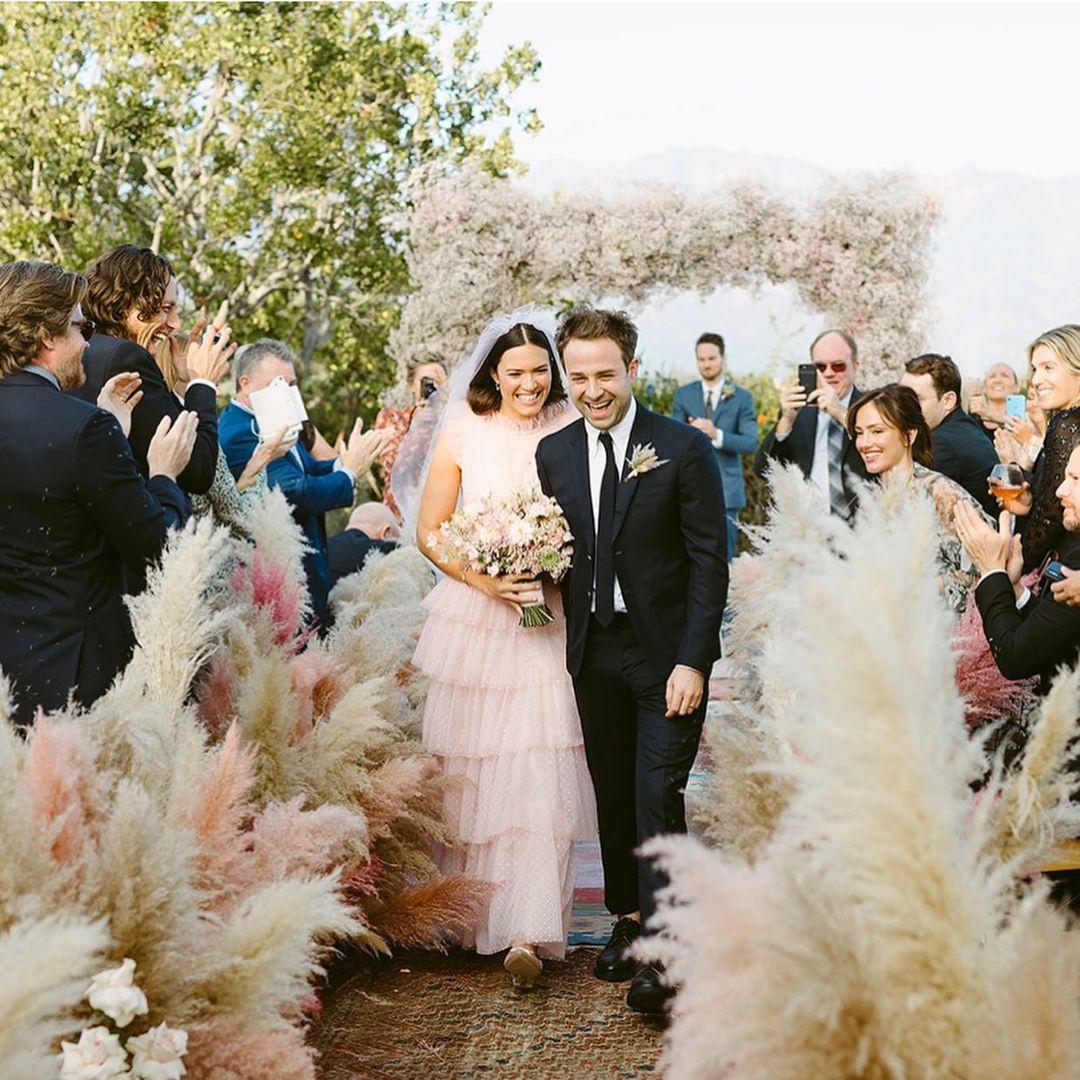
(1054, 379)
(227, 500)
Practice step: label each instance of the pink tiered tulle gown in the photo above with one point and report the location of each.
(501, 717)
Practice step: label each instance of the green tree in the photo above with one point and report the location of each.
(264, 147)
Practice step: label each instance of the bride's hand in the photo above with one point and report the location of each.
(517, 590)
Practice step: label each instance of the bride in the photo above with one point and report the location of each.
(500, 711)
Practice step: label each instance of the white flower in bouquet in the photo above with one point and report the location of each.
(114, 993)
(157, 1054)
(97, 1055)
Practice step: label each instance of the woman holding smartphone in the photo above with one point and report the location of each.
(1054, 378)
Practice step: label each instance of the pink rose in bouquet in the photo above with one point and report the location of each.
(524, 533)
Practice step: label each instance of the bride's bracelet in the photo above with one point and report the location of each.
(465, 576)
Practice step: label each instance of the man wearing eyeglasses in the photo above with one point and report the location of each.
(811, 431)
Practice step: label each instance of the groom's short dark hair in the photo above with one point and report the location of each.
(591, 324)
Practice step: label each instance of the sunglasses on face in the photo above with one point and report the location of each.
(86, 328)
(836, 365)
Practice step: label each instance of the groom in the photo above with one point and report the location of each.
(644, 599)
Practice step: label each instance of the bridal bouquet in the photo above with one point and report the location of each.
(524, 533)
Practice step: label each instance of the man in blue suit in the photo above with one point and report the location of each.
(725, 413)
(311, 485)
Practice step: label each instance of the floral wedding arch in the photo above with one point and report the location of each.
(858, 252)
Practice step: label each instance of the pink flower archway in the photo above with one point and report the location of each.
(858, 252)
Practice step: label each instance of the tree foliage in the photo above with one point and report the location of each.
(264, 147)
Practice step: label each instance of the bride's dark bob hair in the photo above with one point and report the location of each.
(899, 408)
(484, 396)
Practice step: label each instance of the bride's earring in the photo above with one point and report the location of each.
(498, 388)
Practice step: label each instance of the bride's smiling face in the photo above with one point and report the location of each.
(524, 381)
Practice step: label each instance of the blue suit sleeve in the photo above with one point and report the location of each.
(310, 493)
(743, 438)
(679, 411)
(238, 442)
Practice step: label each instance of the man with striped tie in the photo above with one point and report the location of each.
(811, 430)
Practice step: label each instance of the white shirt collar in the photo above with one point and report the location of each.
(240, 405)
(37, 369)
(718, 389)
(620, 433)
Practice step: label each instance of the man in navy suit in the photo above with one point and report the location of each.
(724, 412)
(644, 599)
(961, 449)
(812, 430)
(74, 507)
(311, 485)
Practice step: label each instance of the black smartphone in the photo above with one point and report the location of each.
(427, 387)
(808, 378)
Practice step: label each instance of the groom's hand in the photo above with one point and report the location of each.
(685, 687)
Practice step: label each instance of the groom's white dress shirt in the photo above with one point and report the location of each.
(620, 439)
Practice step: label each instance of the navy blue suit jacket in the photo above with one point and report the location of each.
(310, 485)
(735, 417)
(670, 537)
(74, 509)
(962, 453)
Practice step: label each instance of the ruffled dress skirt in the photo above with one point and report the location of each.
(501, 717)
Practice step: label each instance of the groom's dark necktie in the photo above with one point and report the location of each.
(605, 540)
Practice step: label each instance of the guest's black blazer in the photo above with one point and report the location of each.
(962, 453)
(107, 356)
(73, 509)
(1037, 639)
(798, 448)
(669, 534)
(348, 551)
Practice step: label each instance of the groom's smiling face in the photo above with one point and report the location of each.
(601, 382)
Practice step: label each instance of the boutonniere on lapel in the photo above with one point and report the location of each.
(728, 391)
(642, 459)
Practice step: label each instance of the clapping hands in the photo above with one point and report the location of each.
(119, 396)
(363, 447)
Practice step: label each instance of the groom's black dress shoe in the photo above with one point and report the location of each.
(613, 965)
(649, 993)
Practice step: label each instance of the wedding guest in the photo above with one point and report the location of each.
(893, 439)
(1029, 635)
(311, 486)
(372, 527)
(424, 377)
(228, 500)
(812, 430)
(132, 299)
(988, 404)
(725, 413)
(73, 504)
(959, 446)
(1021, 438)
(1054, 375)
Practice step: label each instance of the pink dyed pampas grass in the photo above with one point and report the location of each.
(227, 1048)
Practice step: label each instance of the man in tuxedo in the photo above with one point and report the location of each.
(812, 431)
(1028, 634)
(644, 599)
(132, 300)
(372, 528)
(73, 505)
(961, 450)
(724, 412)
(312, 486)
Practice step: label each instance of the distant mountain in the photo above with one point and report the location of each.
(1006, 264)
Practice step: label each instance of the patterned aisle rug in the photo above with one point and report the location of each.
(421, 1015)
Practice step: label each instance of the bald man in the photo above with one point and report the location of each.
(372, 527)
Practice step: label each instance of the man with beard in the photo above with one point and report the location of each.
(74, 506)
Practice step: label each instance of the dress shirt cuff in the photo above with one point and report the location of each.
(203, 382)
(338, 467)
(1023, 598)
(781, 438)
(984, 576)
(718, 440)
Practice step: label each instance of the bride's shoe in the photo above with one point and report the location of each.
(523, 965)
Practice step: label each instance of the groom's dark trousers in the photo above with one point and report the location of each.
(668, 542)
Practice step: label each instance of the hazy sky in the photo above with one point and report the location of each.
(924, 86)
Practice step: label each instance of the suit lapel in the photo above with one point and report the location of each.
(579, 469)
(624, 494)
(697, 394)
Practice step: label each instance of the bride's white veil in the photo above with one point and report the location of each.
(413, 462)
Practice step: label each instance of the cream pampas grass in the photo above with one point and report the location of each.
(874, 936)
(1034, 809)
(175, 621)
(46, 964)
